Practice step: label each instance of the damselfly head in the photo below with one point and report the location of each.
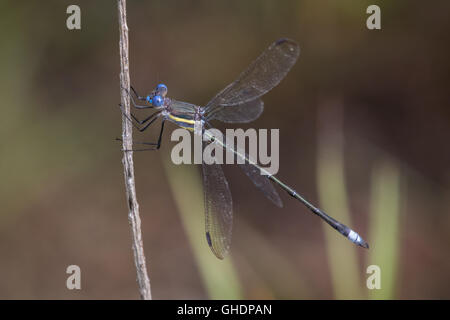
(157, 101)
(161, 89)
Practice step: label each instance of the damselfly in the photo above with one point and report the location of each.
(239, 102)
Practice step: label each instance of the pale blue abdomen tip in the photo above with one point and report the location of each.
(355, 238)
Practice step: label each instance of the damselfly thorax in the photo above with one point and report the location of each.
(183, 114)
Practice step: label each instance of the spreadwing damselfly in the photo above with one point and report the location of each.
(239, 102)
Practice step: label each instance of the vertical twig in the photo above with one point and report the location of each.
(128, 166)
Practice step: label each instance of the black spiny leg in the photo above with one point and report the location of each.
(137, 95)
(149, 120)
(155, 114)
(156, 145)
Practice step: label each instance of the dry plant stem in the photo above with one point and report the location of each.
(128, 166)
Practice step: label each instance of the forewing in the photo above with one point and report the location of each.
(242, 113)
(218, 209)
(261, 75)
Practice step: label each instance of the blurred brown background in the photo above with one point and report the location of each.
(364, 124)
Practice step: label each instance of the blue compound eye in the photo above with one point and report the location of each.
(161, 89)
(149, 99)
(158, 101)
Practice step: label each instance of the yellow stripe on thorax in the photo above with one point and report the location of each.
(182, 120)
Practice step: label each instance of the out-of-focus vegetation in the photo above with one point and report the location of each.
(333, 196)
(364, 124)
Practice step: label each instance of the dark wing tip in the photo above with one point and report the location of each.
(289, 46)
(216, 252)
(208, 239)
(280, 41)
(286, 41)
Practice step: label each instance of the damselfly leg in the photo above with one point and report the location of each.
(156, 145)
(152, 117)
(147, 121)
(137, 95)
